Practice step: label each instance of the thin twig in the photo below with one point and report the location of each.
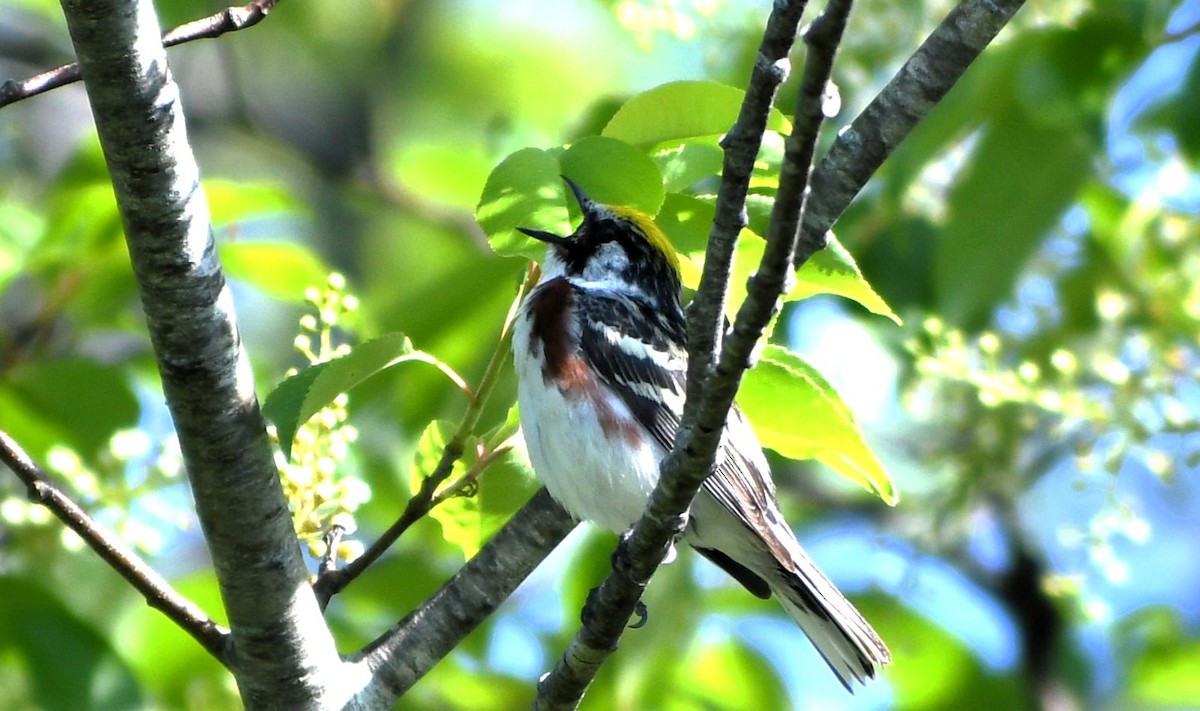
(333, 539)
(465, 483)
(1179, 35)
(706, 313)
(231, 19)
(158, 592)
(459, 381)
(331, 582)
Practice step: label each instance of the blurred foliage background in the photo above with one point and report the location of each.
(1038, 408)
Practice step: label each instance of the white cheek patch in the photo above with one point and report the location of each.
(607, 264)
(552, 266)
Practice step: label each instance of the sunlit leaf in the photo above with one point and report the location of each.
(456, 516)
(81, 220)
(504, 487)
(469, 520)
(506, 429)
(283, 270)
(682, 164)
(934, 669)
(727, 676)
(681, 110)
(20, 228)
(688, 220)
(448, 173)
(614, 173)
(1166, 670)
(832, 271)
(525, 190)
(173, 668)
(232, 201)
(797, 413)
(303, 395)
(828, 271)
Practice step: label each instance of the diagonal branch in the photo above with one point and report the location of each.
(691, 459)
(158, 592)
(231, 19)
(908, 98)
(401, 656)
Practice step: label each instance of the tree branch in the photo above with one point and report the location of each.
(158, 592)
(283, 655)
(231, 19)
(924, 79)
(692, 458)
(408, 650)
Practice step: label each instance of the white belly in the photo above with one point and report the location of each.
(607, 484)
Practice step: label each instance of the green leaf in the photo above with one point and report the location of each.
(20, 229)
(503, 431)
(687, 221)
(727, 675)
(1185, 109)
(282, 270)
(53, 391)
(445, 171)
(1167, 673)
(231, 201)
(71, 666)
(525, 190)
(797, 413)
(82, 221)
(467, 522)
(829, 271)
(614, 173)
(173, 669)
(304, 394)
(681, 110)
(428, 454)
(1022, 177)
(684, 163)
(934, 668)
(505, 487)
(833, 271)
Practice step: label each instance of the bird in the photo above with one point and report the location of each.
(599, 351)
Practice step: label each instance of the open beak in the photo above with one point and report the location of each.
(541, 235)
(586, 205)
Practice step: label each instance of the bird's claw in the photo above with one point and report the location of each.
(642, 614)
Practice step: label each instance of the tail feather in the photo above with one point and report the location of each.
(846, 641)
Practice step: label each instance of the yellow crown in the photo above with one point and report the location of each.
(653, 234)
